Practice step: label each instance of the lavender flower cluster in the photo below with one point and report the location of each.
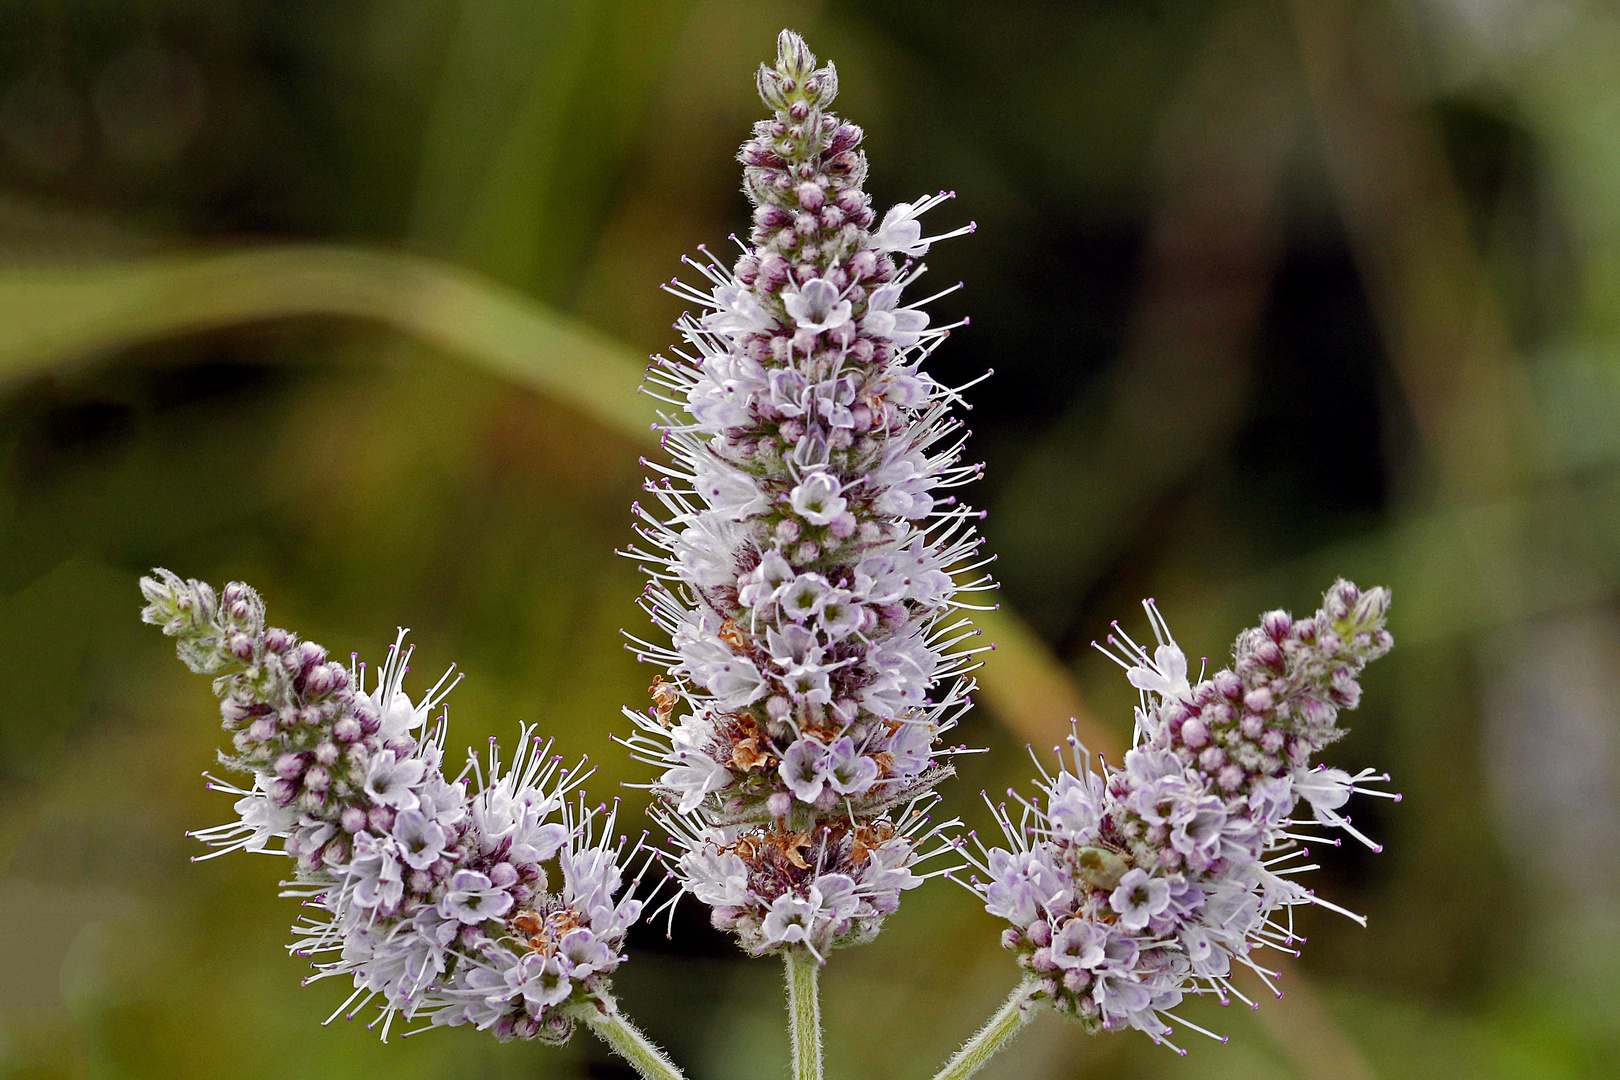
(432, 897)
(801, 558)
(1129, 888)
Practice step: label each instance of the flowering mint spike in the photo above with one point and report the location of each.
(433, 899)
(1130, 888)
(801, 553)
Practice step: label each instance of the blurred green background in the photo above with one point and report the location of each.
(344, 299)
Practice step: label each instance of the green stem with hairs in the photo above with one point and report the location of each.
(603, 1018)
(1018, 1010)
(804, 1012)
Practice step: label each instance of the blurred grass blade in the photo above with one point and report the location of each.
(49, 315)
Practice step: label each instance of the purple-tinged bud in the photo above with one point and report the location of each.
(441, 868)
(317, 779)
(289, 765)
(1040, 933)
(335, 852)
(320, 680)
(1258, 701)
(846, 137)
(503, 875)
(788, 531)
(419, 881)
(1042, 961)
(261, 730)
(346, 730)
(1195, 733)
(241, 646)
(282, 792)
(811, 197)
(1075, 980)
(381, 819)
(778, 804)
(1011, 938)
(1230, 778)
(806, 552)
(1251, 725)
(353, 819)
(1227, 684)
(277, 640)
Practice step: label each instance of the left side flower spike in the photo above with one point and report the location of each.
(433, 898)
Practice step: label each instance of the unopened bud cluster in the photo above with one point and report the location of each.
(433, 897)
(802, 552)
(1129, 888)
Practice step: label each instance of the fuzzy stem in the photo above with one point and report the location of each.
(603, 1018)
(1000, 1030)
(804, 1013)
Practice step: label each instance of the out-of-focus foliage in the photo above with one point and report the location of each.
(1274, 291)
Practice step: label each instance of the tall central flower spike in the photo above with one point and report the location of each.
(804, 547)
(1128, 889)
(432, 897)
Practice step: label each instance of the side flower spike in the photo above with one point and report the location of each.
(801, 547)
(431, 895)
(1129, 888)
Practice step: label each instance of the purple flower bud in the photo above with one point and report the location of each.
(320, 680)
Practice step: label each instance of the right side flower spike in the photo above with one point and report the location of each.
(1128, 889)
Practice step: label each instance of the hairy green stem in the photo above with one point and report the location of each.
(604, 1018)
(804, 1013)
(1019, 1008)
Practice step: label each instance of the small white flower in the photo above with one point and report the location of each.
(792, 918)
(816, 306)
(816, 498)
(900, 231)
(737, 311)
(391, 782)
(470, 897)
(1139, 897)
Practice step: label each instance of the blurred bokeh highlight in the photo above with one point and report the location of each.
(347, 300)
